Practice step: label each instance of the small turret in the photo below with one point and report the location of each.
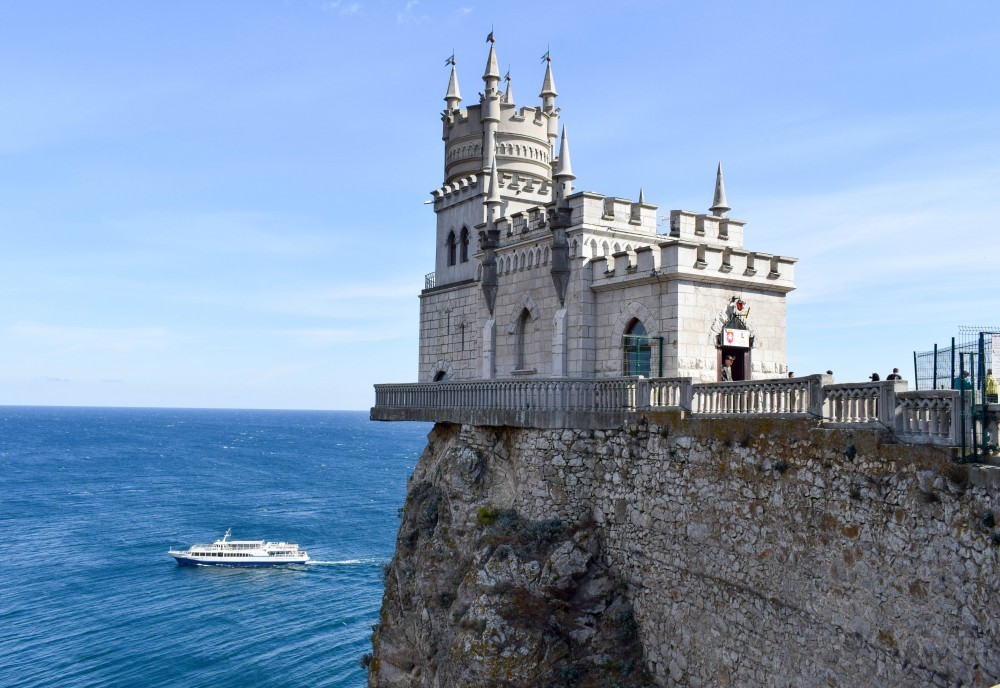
(453, 97)
(489, 110)
(508, 94)
(719, 204)
(492, 74)
(563, 175)
(493, 200)
(548, 94)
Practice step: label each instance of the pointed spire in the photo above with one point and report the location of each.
(719, 204)
(493, 194)
(508, 95)
(548, 94)
(453, 97)
(641, 198)
(548, 84)
(563, 167)
(492, 71)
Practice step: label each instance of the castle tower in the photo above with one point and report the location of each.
(519, 140)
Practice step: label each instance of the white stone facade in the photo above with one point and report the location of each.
(502, 176)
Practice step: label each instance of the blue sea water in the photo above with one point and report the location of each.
(91, 499)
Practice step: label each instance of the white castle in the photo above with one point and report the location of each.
(533, 279)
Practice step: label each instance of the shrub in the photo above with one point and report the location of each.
(428, 519)
(486, 516)
(539, 534)
(625, 626)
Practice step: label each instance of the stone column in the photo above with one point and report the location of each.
(559, 353)
(489, 349)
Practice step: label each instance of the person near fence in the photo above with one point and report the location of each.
(963, 381)
(991, 387)
(894, 375)
(727, 369)
(874, 377)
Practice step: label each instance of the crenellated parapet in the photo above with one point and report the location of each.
(521, 139)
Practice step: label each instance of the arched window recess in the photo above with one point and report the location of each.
(637, 348)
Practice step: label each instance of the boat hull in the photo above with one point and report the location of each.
(250, 563)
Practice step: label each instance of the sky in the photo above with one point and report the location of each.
(221, 204)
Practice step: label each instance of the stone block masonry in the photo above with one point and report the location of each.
(744, 552)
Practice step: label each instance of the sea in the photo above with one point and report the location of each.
(91, 499)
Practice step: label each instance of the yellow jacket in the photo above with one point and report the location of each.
(991, 384)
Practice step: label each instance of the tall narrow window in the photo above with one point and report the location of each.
(465, 244)
(451, 248)
(523, 339)
(638, 352)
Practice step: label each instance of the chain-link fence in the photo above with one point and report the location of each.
(966, 364)
(972, 351)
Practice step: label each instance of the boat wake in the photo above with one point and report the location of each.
(370, 561)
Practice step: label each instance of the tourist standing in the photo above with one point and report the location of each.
(727, 369)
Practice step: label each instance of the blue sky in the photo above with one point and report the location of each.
(220, 204)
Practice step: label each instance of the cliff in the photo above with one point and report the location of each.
(690, 553)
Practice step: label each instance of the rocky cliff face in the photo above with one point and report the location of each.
(694, 553)
(488, 590)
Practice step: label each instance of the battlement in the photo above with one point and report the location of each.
(707, 228)
(698, 262)
(597, 212)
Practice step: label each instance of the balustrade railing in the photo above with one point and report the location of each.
(613, 394)
(801, 396)
(929, 416)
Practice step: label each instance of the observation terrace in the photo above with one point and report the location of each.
(913, 417)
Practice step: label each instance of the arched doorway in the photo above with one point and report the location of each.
(638, 354)
(735, 342)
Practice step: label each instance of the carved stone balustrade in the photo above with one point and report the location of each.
(919, 417)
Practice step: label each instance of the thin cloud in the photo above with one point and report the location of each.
(58, 339)
(410, 14)
(343, 8)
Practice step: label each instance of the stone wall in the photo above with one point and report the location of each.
(758, 552)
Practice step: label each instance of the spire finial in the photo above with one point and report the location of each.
(719, 204)
(641, 198)
(453, 97)
(508, 94)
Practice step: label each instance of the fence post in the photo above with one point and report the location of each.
(817, 399)
(642, 393)
(686, 394)
(887, 405)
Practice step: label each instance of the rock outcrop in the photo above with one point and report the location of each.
(690, 553)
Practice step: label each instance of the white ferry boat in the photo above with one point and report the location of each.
(226, 552)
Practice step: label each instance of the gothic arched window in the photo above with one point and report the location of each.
(638, 352)
(465, 245)
(451, 248)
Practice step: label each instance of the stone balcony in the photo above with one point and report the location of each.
(914, 417)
